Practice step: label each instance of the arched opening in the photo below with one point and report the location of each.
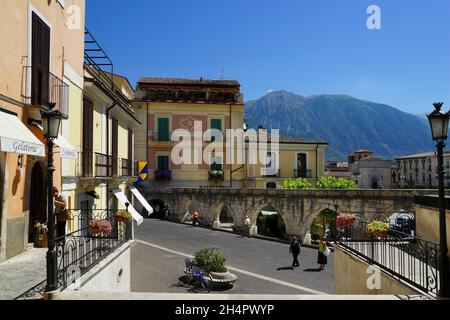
(376, 182)
(38, 201)
(271, 185)
(188, 208)
(324, 224)
(270, 223)
(222, 216)
(161, 210)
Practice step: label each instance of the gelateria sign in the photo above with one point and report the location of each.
(22, 147)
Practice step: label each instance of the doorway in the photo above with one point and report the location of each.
(38, 202)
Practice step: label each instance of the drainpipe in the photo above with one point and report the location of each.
(107, 146)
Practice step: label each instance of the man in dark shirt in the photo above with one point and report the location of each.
(295, 251)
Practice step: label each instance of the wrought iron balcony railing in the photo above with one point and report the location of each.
(409, 258)
(41, 88)
(306, 174)
(80, 250)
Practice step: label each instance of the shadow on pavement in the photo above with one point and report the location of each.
(285, 268)
(312, 270)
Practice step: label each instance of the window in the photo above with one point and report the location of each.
(88, 138)
(163, 162)
(163, 129)
(40, 61)
(216, 124)
(301, 166)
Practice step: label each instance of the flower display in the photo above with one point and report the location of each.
(100, 226)
(124, 216)
(378, 228)
(345, 220)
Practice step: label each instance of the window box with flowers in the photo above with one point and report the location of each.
(99, 226)
(379, 229)
(216, 175)
(163, 174)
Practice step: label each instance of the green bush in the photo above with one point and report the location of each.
(335, 183)
(299, 183)
(211, 260)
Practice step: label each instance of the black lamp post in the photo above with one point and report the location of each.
(51, 121)
(439, 128)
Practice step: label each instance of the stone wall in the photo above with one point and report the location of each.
(298, 208)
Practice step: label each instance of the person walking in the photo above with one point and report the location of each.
(195, 216)
(248, 225)
(294, 249)
(322, 259)
(61, 213)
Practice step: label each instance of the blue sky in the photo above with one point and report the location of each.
(304, 46)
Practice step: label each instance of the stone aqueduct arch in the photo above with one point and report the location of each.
(298, 208)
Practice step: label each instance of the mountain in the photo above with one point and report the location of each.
(347, 123)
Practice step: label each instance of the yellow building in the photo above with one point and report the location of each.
(295, 158)
(41, 63)
(102, 130)
(169, 104)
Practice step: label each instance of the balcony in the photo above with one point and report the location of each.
(41, 89)
(305, 174)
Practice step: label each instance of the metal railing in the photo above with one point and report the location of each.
(306, 174)
(80, 250)
(42, 88)
(409, 258)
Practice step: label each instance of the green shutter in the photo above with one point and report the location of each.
(216, 124)
(163, 129)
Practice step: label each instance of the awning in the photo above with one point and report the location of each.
(123, 200)
(66, 149)
(17, 138)
(142, 200)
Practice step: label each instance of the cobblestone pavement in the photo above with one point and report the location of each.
(21, 273)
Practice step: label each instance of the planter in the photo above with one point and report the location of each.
(123, 219)
(94, 230)
(223, 276)
(381, 234)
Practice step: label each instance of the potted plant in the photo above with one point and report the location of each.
(216, 174)
(345, 220)
(97, 226)
(124, 216)
(213, 261)
(379, 229)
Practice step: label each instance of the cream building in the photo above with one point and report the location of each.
(41, 62)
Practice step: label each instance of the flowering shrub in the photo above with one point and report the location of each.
(335, 183)
(378, 226)
(344, 220)
(299, 183)
(103, 226)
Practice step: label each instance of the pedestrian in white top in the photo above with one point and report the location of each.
(248, 225)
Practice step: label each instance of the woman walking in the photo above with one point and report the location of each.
(322, 259)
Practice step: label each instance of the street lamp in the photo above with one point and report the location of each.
(439, 128)
(51, 121)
